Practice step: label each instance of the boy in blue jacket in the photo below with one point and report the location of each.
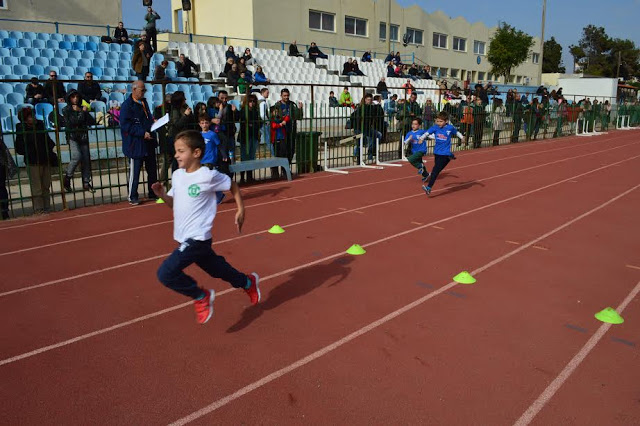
(441, 132)
(414, 139)
(138, 143)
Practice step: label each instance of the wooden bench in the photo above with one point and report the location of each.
(263, 163)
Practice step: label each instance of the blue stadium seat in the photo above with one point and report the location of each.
(20, 88)
(88, 55)
(157, 58)
(36, 69)
(123, 72)
(109, 72)
(70, 38)
(5, 89)
(4, 34)
(66, 45)
(107, 78)
(53, 44)
(94, 39)
(14, 99)
(157, 88)
(75, 54)
(85, 63)
(71, 62)
(124, 56)
(20, 69)
(38, 44)
(24, 42)
(5, 70)
(96, 71)
(43, 110)
(71, 86)
(48, 69)
(47, 53)
(62, 54)
(121, 78)
(29, 35)
(125, 48)
(57, 37)
(98, 106)
(124, 64)
(9, 42)
(44, 36)
(171, 66)
(113, 55)
(172, 74)
(15, 34)
(157, 98)
(104, 47)
(42, 61)
(10, 60)
(9, 120)
(110, 63)
(82, 38)
(100, 63)
(26, 60)
(91, 46)
(81, 71)
(32, 53)
(171, 88)
(100, 55)
(116, 96)
(180, 79)
(56, 62)
(77, 77)
(115, 47)
(119, 86)
(17, 52)
(66, 71)
(77, 45)
(4, 52)
(12, 77)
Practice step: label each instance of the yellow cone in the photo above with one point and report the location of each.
(464, 278)
(610, 316)
(159, 201)
(276, 229)
(356, 250)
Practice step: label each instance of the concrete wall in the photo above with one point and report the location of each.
(87, 12)
(594, 88)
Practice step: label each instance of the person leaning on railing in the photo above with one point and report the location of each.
(33, 142)
(284, 117)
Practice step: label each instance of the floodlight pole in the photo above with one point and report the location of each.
(544, 14)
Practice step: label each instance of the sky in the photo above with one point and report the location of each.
(565, 18)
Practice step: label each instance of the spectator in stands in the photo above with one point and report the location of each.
(200, 110)
(399, 71)
(497, 120)
(315, 52)
(33, 142)
(227, 118)
(242, 68)
(151, 17)
(227, 68)
(389, 57)
(233, 76)
(248, 59)
(284, 117)
(345, 98)
(35, 92)
(333, 101)
(140, 62)
(406, 114)
(479, 117)
(138, 142)
(148, 50)
(90, 90)
(481, 92)
(367, 118)
(429, 114)
(184, 66)
(356, 68)
(49, 86)
(160, 72)
(391, 107)
(293, 49)
(347, 67)
(408, 89)
(413, 72)
(263, 104)
(366, 57)
(259, 76)
(243, 84)
(397, 59)
(77, 121)
(8, 169)
(382, 88)
(120, 35)
(249, 136)
(425, 73)
(231, 54)
(391, 72)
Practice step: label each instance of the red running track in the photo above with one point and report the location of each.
(549, 229)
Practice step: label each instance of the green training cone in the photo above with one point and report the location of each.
(276, 229)
(609, 315)
(356, 250)
(159, 201)
(464, 278)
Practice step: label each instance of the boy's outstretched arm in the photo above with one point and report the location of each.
(158, 189)
(240, 204)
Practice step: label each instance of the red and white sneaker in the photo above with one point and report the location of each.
(204, 307)
(254, 290)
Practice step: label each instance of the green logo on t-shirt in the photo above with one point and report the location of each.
(194, 190)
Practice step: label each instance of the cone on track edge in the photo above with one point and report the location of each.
(159, 201)
(356, 250)
(609, 315)
(464, 278)
(276, 229)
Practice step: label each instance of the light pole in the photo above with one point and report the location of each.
(389, 28)
(544, 14)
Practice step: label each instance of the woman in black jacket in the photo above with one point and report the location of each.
(249, 136)
(77, 121)
(34, 143)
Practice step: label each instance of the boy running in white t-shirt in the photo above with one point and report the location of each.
(193, 200)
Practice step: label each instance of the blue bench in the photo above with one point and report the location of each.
(246, 166)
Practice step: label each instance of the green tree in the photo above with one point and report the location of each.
(629, 56)
(552, 59)
(508, 48)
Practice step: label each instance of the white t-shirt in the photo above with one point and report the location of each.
(194, 202)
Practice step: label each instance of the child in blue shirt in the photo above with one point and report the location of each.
(418, 144)
(441, 132)
(211, 143)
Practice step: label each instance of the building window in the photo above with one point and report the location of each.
(322, 21)
(355, 26)
(414, 36)
(535, 58)
(394, 31)
(460, 44)
(440, 40)
(480, 76)
(454, 73)
(478, 47)
(3, 4)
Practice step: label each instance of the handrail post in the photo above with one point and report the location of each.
(57, 27)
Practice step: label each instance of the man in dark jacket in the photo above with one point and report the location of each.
(35, 92)
(226, 119)
(184, 66)
(48, 89)
(120, 35)
(293, 49)
(90, 90)
(315, 52)
(138, 143)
